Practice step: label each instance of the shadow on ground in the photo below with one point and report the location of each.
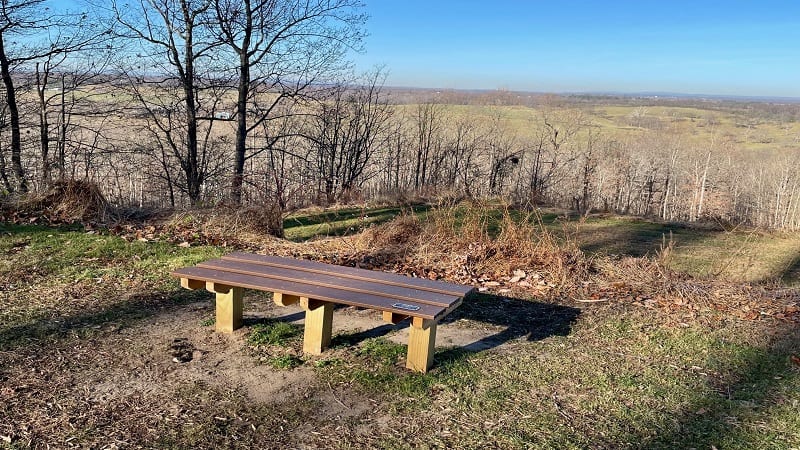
(518, 318)
(791, 275)
(136, 307)
(515, 318)
(634, 238)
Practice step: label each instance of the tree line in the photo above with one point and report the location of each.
(177, 103)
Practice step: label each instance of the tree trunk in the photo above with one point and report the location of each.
(193, 177)
(62, 133)
(241, 109)
(44, 126)
(13, 113)
(703, 188)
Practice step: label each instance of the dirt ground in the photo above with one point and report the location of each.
(130, 384)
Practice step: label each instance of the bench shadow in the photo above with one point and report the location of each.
(517, 318)
(350, 339)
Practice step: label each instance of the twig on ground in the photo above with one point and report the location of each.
(334, 396)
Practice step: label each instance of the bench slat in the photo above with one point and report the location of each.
(391, 279)
(311, 291)
(405, 294)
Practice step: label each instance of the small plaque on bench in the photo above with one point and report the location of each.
(405, 307)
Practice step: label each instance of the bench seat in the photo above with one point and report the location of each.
(318, 286)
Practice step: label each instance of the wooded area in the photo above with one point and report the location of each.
(177, 103)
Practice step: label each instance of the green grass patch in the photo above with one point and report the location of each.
(341, 222)
(379, 368)
(382, 350)
(77, 255)
(286, 362)
(274, 333)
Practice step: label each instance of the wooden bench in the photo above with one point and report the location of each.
(318, 286)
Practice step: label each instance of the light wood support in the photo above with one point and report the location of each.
(281, 299)
(229, 306)
(421, 343)
(393, 318)
(318, 327)
(192, 284)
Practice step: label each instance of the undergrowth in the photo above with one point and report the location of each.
(471, 241)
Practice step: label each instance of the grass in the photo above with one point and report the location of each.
(286, 362)
(274, 333)
(622, 380)
(60, 269)
(378, 367)
(341, 222)
(747, 256)
(616, 121)
(608, 376)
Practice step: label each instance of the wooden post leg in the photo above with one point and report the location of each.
(282, 299)
(229, 309)
(319, 324)
(421, 342)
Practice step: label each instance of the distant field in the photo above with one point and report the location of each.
(695, 125)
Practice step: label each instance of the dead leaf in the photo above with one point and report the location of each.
(796, 360)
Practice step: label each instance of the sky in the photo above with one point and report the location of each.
(733, 47)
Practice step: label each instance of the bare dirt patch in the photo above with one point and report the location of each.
(132, 381)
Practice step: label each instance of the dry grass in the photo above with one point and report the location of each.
(484, 246)
(247, 224)
(67, 201)
(468, 243)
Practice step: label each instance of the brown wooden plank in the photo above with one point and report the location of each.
(311, 291)
(392, 279)
(404, 294)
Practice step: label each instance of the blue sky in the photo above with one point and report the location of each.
(732, 47)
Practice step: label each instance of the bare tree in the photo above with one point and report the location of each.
(173, 49)
(3, 166)
(346, 134)
(549, 150)
(429, 140)
(280, 50)
(59, 77)
(30, 31)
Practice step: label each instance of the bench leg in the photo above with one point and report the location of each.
(318, 327)
(421, 342)
(229, 308)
